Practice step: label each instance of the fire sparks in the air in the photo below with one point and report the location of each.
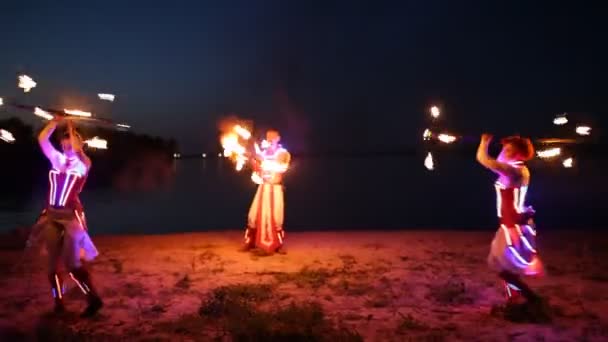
(26, 83)
(123, 126)
(560, 120)
(428, 162)
(583, 130)
(435, 112)
(233, 148)
(98, 143)
(77, 112)
(43, 114)
(106, 97)
(568, 163)
(446, 138)
(6, 136)
(1, 101)
(549, 153)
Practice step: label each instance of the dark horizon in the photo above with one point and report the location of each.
(340, 74)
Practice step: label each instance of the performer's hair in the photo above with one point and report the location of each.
(523, 146)
(66, 135)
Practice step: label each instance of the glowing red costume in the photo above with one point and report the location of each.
(266, 214)
(514, 246)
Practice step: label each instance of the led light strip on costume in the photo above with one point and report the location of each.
(64, 194)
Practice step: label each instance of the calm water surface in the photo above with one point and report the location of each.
(341, 193)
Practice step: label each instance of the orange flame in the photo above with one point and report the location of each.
(77, 112)
(6, 136)
(98, 143)
(233, 148)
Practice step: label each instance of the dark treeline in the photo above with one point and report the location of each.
(132, 161)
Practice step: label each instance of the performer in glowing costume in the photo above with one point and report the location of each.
(513, 252)
(62, 224)
(265, 219)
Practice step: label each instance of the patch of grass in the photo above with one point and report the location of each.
(345, 287)
(453, 291)
(296, 322)
(131, 290)
(306, 277)
(117, 265)
(234, 299)
(379, 300)
(409, 323)
(530, 312)
(184, 283)
(348, 262)
(234, 308)
(208, 256)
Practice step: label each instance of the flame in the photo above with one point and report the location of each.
(43, 114)
(428, 162)
(435, 112)
(583, 130)
(106, 97)
(1, 101)
(233, 149)
(26, 83)
(96, 142)
(6, 136)
(446, 138)
(77, 112)
(549, 153)
(427, 134)
(560, 120)
(123, 126)
(568, 163)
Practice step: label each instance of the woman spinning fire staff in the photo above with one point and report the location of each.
(62, 224)
(513, 252)
(265, 219)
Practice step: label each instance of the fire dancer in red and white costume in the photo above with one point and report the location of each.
(62, 224)
(513, 253)
(265, 219)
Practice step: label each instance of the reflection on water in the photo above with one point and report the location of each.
(324, 194)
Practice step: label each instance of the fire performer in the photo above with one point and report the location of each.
(62, 224)
(513, 251)
(265, 219)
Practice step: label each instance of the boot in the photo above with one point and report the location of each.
(249, 242)
(513, 293)
(58, 290)
(82, 278)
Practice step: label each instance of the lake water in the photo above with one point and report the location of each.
(341, 193)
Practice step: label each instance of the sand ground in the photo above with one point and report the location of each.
(380, 286)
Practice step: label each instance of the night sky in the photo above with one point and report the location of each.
(328, 73)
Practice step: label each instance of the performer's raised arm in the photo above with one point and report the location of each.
(483, 157)
(44, 139)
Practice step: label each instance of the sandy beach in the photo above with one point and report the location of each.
(372, 286)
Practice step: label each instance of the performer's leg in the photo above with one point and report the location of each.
(53, 234)
(250, 231)
(73, 243)
(279, 216)
(515, 281)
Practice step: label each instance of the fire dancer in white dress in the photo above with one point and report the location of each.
(266, 215)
